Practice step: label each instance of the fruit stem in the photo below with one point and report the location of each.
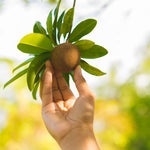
(74, 3)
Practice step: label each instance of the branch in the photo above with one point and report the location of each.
(74, 3)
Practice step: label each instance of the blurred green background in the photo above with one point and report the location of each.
(122, 111)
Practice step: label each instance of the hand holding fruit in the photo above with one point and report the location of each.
(63, 114)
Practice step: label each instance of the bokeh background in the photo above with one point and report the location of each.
(122, 113)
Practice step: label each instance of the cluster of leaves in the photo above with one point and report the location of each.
(41, 43)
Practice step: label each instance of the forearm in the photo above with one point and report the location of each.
(79, 139)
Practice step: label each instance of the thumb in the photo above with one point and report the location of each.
(80, 82)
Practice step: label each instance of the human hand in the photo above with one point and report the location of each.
(65, 116)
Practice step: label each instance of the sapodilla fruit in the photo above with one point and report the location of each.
(65, 57)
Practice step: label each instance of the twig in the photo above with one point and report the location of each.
(74, 3)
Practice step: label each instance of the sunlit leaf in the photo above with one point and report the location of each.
(23, 64)
(16, 77)
(94, 52)
(38, 28)
(84, 44)
(82, 29)
(59, 25)
(35, 67)
(35, 43)
(67, 24)
(9, 61)
(90, 69)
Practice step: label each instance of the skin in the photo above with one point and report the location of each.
(68, 119)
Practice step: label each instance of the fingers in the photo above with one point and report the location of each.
(55, 90)
(81, 84)
(46, 84)
(63, 86)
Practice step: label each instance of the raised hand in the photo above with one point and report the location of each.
(63, 114)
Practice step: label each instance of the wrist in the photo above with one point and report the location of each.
(79, 138)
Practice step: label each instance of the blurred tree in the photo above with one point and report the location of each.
(22, 127)
(52, 1)
(49, 1)
(132, 102)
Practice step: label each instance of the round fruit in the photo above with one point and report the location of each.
(65, 57)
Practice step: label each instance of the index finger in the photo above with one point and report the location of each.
(46, 85)
(81, 83)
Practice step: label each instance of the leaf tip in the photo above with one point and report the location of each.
(4, 86)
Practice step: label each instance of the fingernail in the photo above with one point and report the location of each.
(77, 70)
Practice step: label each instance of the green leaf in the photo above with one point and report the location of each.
(23, 64)
(55, 21)
(59, 25)
(57, 8)
(94, 52)
(16, 77)
(84, 44)
(35, 67)
(72, 75)
(82, 29)
(66, 76)
(49, 24)
(38, 28)
(35, 43)
(35, 89)
(6, 60)
(68, 19)
(90, 69)
(38, 75)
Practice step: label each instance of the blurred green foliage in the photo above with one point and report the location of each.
(49, 1)
(121, 114)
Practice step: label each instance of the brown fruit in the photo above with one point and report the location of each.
(65, 57)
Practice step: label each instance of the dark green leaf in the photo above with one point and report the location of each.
(49, 24)
(72, 75)
(23, 64)
(68, 19)
(55, 11)
(35, 43)
(38, 75)
(59, 25)
(35, 67)
(94, 52)
(90, 69)
(16, 77)
(38, 28)
(84, 44)
(35, 89)
(82, 29)
(55, 20)
(66, 76)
